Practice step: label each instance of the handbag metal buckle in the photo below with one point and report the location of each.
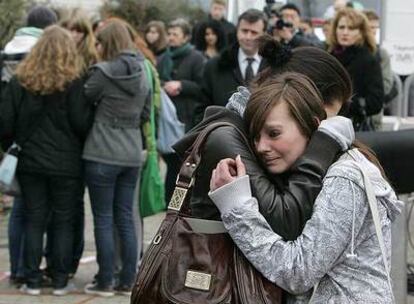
(178, 196)
(197, 280)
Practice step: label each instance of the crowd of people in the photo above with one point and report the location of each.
(76, 99)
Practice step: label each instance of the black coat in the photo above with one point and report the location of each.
(189, 70)
(286, 201)
(51, 129)
(221, 78)
(366, 75)
(229, 30)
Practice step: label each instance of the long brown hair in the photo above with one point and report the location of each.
(328, 74)
(357, 20)
(114, 38)
(51, 64)
(305, 105)
(162, 41)
(77, 20)
(298, 91)
(140, 43)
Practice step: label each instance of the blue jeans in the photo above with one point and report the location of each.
(111, 190)
(16, 238)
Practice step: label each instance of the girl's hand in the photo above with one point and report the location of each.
(227, 170)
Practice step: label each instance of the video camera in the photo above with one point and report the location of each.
(280, 24)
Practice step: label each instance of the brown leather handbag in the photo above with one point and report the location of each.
(194, 261)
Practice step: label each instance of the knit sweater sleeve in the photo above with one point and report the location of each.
(298, 265)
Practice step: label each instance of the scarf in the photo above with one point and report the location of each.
(166, 65)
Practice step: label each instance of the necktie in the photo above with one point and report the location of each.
(248, 76)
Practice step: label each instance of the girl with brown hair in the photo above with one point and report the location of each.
(81, 30)
(155, 36)
(351, 41)
(119, 88)
(43, 111)
(336, 250)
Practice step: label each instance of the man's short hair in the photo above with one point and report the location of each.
(41, 17)
(219, 2)
(182, 24)
(252, 16)
(290, 6)
(371, 15)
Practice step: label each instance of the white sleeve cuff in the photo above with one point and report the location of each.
(231, 195)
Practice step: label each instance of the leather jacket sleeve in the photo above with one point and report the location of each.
(286, 201)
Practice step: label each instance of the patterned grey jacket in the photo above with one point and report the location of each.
(338, 247)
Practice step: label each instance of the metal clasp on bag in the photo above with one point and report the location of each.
(197, 280)
(178, 196)
(157, 239)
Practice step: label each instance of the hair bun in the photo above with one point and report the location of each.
(276, 54)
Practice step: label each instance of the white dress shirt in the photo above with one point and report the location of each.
(242, 58)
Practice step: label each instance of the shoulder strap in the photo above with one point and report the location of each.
(151, 141)
(373, 206)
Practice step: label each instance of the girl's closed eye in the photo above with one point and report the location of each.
(273, 133)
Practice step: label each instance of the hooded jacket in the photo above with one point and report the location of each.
(285, 201)
(16, 49)
(121, 91)
(338, 248)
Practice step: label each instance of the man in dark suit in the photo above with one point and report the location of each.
(236, 66)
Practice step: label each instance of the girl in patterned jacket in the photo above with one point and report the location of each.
(338, 250)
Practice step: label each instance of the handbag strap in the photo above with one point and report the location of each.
(373, 206)
(151, 142)
(186, 175)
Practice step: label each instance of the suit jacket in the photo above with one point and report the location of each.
(221, 78)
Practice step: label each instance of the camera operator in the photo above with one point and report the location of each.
(287, 28)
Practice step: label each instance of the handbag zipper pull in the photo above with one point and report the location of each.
(157, 239)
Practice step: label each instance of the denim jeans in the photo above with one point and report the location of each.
(78, 242)
(111, 190)
(43, 196)
(16, 238)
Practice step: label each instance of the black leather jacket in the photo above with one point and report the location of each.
(286, 201)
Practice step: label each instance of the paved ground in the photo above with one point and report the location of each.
(9, 295)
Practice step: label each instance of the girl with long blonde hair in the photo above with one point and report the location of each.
(43, 112)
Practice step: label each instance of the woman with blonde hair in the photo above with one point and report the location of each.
(80, 28)
(118, 86)
(45, 117)
(353, 44)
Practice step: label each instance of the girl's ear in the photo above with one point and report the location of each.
(317, 120)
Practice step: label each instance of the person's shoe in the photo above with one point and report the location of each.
(94, 289)
(30, 291)
(70, 287)
(123, 290)
(17, 281)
